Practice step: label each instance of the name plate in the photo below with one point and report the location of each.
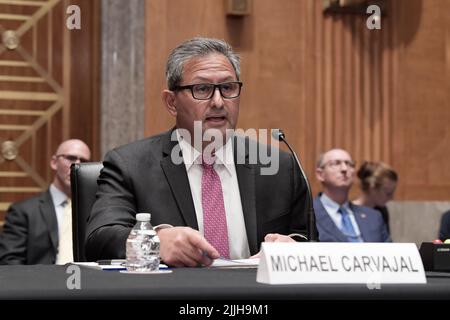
(326, 262)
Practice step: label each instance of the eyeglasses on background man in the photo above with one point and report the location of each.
(335, 164)
(71, 158)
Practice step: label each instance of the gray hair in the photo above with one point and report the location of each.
(196, 47)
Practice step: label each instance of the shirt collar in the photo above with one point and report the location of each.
(192, 156)
(331, 205)
(225, 156)
(59, 197)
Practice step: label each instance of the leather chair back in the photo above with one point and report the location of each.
(83, 180)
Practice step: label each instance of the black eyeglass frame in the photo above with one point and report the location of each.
(218, 85)
(71, 158)
(338, 163)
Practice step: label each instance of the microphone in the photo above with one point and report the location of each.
(311, 225)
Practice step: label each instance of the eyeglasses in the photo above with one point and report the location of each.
(335, 164)
(71, 158)
(205, 91)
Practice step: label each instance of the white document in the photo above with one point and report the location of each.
(110, 267)
(238, 263)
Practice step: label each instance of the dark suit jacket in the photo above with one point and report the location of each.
(140, 177)
(30, 233)
(370, 223)
(385, 215)
(444, 230)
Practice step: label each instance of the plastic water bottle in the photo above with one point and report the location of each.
(142, 248)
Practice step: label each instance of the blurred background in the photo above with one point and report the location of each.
(310, 67)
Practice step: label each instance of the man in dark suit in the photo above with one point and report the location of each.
(444, 229)
(32, 231)
(168, 175)
(337, 219)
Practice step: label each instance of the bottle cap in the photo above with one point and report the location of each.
(143, 216)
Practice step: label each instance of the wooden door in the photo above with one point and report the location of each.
(39, 83)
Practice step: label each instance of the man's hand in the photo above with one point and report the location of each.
(274, 237)
(185, 247)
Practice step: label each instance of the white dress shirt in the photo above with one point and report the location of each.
(332, 208)
(59, 200)
(226, 170)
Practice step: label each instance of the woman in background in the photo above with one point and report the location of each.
(378, 184)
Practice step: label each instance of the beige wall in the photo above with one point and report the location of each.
(329, 81)
(416, 221)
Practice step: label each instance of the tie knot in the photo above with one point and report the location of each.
(67, 207)
(343, 211)
(208, 161)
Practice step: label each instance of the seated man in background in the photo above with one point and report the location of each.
(444, 230)
(337, 219)
(214, 204)
(38, 230)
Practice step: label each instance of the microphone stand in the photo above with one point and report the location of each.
(311, 224)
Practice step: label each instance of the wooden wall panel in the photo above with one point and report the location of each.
(48, 90)
(422, 135)
(328, 81)
(84, 114)
(352, 102)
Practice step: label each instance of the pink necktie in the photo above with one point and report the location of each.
(214, 217)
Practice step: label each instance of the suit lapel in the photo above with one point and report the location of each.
(47, 210)
(246, 181)
(177, 178)
(323, 219)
